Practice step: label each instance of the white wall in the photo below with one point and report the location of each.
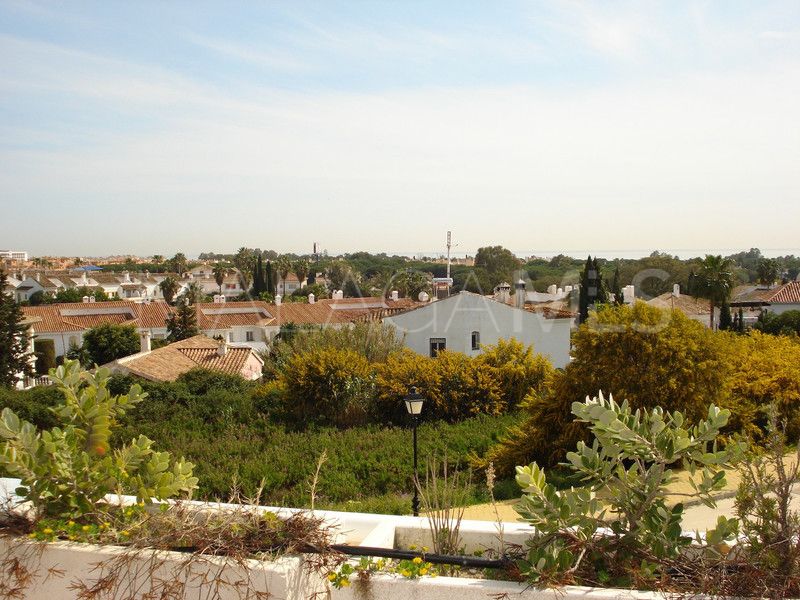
(781, 308)
(455, 319)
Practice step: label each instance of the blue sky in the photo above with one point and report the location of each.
(149, 127)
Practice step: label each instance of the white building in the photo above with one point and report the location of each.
(465, 321)
(14, 255)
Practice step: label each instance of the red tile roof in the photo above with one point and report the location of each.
(77, 316)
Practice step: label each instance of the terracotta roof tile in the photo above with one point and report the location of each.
(77, 316)
(170, 362)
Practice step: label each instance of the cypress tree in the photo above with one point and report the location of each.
(13, 339)
(740, 324)
(616, 288)
(258, 278)
(585, 291)
(725, 320)
(601, 294)
(269, 279)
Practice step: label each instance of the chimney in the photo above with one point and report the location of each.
(395, 295)
(144, 341)
(676, 290)
(567, 289)
(552, 289)
(127, 276)
(84, 279)
(311, 299)
(85, 299)
(92, 299)
(222, 349)
(628, 294)
(519, 294)
(277, 299)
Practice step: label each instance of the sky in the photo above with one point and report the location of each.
(157, 127)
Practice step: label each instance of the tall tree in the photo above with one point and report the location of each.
(499, 263)
(178, 263)
(601, 293)
(284, 267)
(301, 268)
(269, 278)
(169, 287)
(182, 323)
(157, 259)
(219, 276)
(616, 288)
(715, 281)
(259, 285)
(725, 318)
(194, 293)
(14, 355)
(109, 342)
(767, 271)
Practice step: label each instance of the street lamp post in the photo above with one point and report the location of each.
(414, 407)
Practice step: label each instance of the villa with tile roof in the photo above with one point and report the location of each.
(170, 362)
(777, 299)
(253, 323)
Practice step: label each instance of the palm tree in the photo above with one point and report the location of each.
(194, 293)
(301, 268)
(157, 259)
(284, 267)
(715, 281)
(767, 271)
(219, 275)
(169, 287)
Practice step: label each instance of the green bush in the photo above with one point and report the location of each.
(45, 351)
(106, 343)
(67, 471)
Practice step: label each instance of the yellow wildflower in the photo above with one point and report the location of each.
(31, 535)
(417, 560)
(345, 582)
(71, 523)
(423, 571)
(405, 573)
(47, 531)
(125, 532)
(331, 576)
(85, 528)
(412, 547)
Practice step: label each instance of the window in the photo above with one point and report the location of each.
(437, 345)
(249, 336)
(476, 340)
(230, 286)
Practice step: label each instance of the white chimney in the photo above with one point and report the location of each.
(628, 294)
(676, 290)
(395, 295)
(519, 294)
(222, 299)
(423, 297)
(567, 289)
(552, 289)
(311, 299)
(144, 341)
(85, 299)
(216, 298)
(92, 299)
(222, 349)
(278, 299)
(559, 291)
(127, 276)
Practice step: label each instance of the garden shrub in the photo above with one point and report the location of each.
(45, 351)
(581, 538)
(327, 386)
(67, 471)
(787, 323)
(648, 356)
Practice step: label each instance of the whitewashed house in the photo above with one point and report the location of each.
(465, 321)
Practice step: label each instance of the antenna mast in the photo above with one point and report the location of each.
(448, 255)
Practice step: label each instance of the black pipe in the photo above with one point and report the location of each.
(437, 559)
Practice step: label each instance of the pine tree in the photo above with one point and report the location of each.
(14, 355)
(182, 323)
(740, 324)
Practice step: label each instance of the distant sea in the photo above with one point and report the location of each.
(682, 253)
